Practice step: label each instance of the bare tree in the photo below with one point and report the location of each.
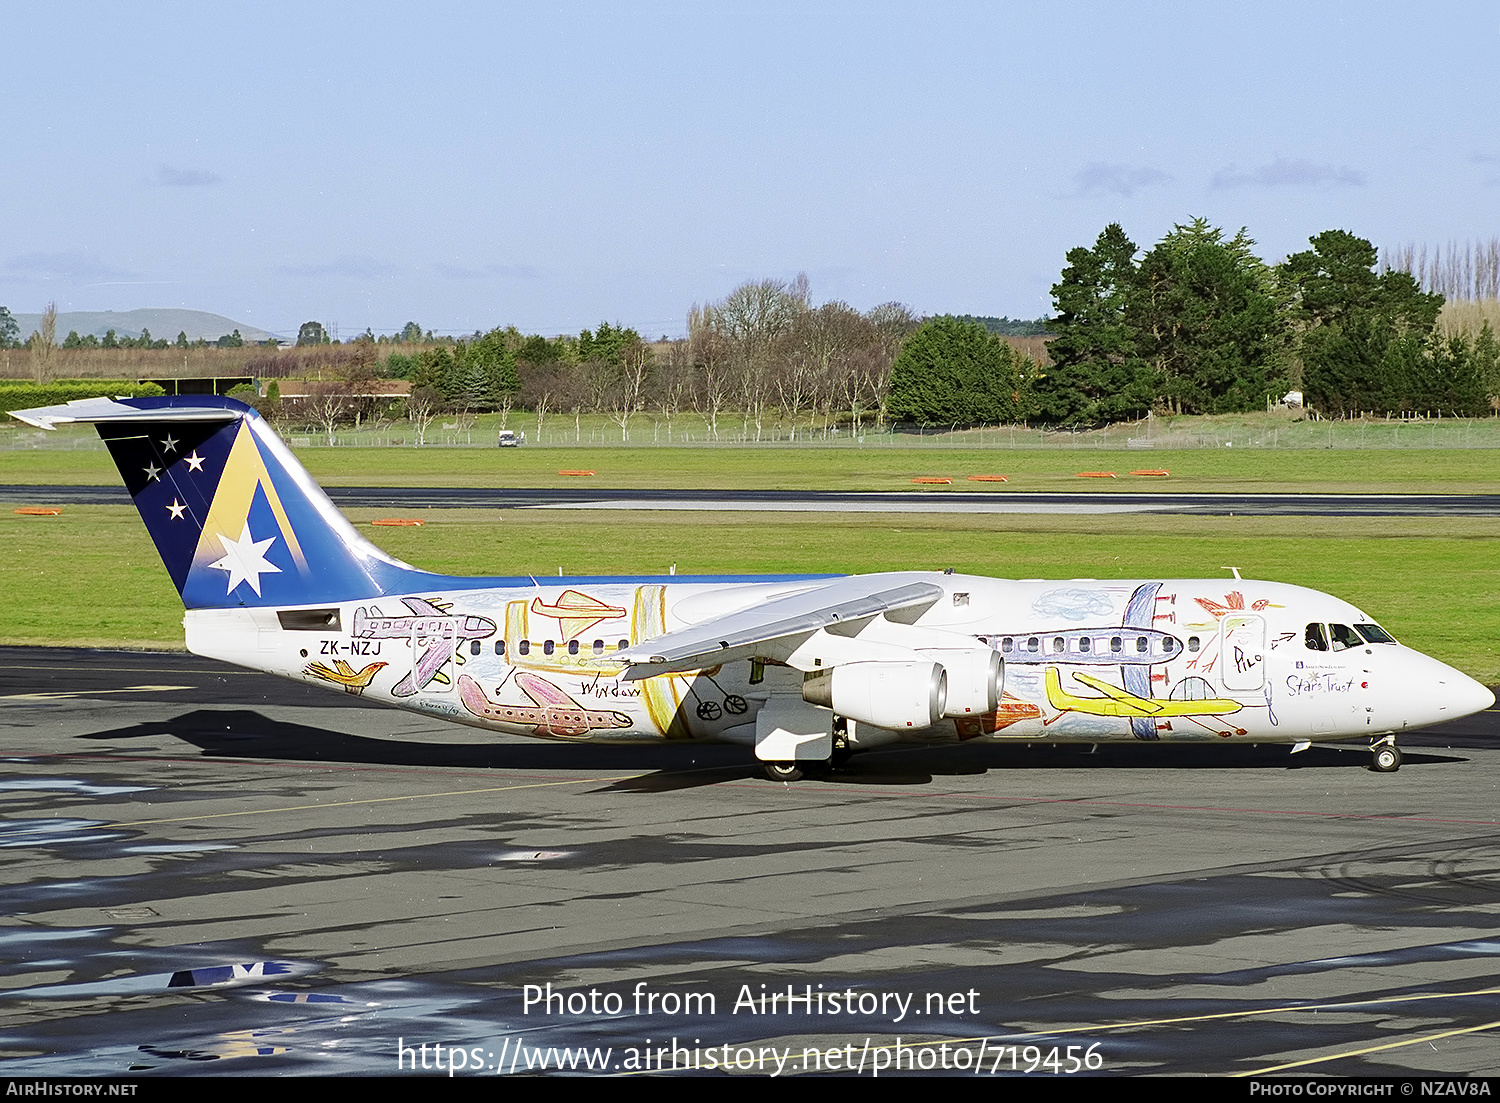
(44, 344)
(710, 355)
(330, 404)
(627, 393)
(422, 406)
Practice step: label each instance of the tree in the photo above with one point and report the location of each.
(182, 340)
(422, 405)
(410, 334)
(1204, 316)
(957, 373)
(44, 344)
(231, 341)
(312, 333)
(1363, 341)
(10, 329)
(1097, 373)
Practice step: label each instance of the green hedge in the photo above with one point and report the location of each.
(26, 396)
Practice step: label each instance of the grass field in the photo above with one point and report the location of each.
(1434, 471)
(90, 577)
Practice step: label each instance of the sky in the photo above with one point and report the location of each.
(555, 165)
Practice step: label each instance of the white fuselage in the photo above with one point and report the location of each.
(1085, 660)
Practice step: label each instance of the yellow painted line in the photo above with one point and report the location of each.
(1083, 1028)
(60, 696)
(1368, 1049)
(367, 800)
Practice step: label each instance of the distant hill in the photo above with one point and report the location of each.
(129, 323)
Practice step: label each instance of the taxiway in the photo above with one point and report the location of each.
(211, 871)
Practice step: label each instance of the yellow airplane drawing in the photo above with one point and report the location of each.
(576, 612)
(1121, 702)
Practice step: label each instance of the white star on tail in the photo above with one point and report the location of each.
(176, 509)
(195, 461)
(245, 560)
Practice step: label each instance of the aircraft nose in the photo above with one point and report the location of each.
(1426, 691)
(1470, 696)
(1456, 695)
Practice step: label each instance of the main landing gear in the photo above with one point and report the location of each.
(783, 771)
(1385, 758)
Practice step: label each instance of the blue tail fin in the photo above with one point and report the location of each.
(234, 515)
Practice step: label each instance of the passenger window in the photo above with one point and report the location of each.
(524, 647)
(1169, 645)
(598, 647)
(1083, 645)
(624, 644)
(1344, 637)
(1141, 645)
(1316, 638)
(1059, 645)
(475, 647)
(547, 648)
(1032, 644)
(1007, 644)
(572, 647)
(1116, 645)
(1374, 633)
(499, 647)
(1193, 644)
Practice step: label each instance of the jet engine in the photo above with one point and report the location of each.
(895, 695)
(976, 679)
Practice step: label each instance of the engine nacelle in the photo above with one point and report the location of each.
(896, 695)
(976, 679)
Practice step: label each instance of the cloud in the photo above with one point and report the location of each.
(1283, 173)
(75, 267)
(488, 272)
(1101, 176)
(352, 267)
(169, 177)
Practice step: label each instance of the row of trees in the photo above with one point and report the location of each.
(1199, 324)
(761, 353)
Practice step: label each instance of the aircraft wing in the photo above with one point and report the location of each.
(778, 625)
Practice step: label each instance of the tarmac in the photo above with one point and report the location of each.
(937, 500)
(210, 871)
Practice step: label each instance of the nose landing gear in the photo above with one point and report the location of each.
(1385, 758)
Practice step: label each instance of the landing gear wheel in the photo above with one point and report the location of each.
(1387, 759)
(783, 771)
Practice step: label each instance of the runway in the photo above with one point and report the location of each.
(210, 871)
(800, 501)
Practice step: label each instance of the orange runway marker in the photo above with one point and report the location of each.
(578, 474)
(935, 481)
(1097, 475)
(397, 521)
(39, 511)
(988, 479)
(1159, 473)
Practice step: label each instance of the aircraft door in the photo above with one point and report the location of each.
(1242, 650)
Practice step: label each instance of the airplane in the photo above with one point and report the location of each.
(805, 669)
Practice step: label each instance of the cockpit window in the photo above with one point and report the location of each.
(1317, 638)
(1344, 636)
(1374, 633)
